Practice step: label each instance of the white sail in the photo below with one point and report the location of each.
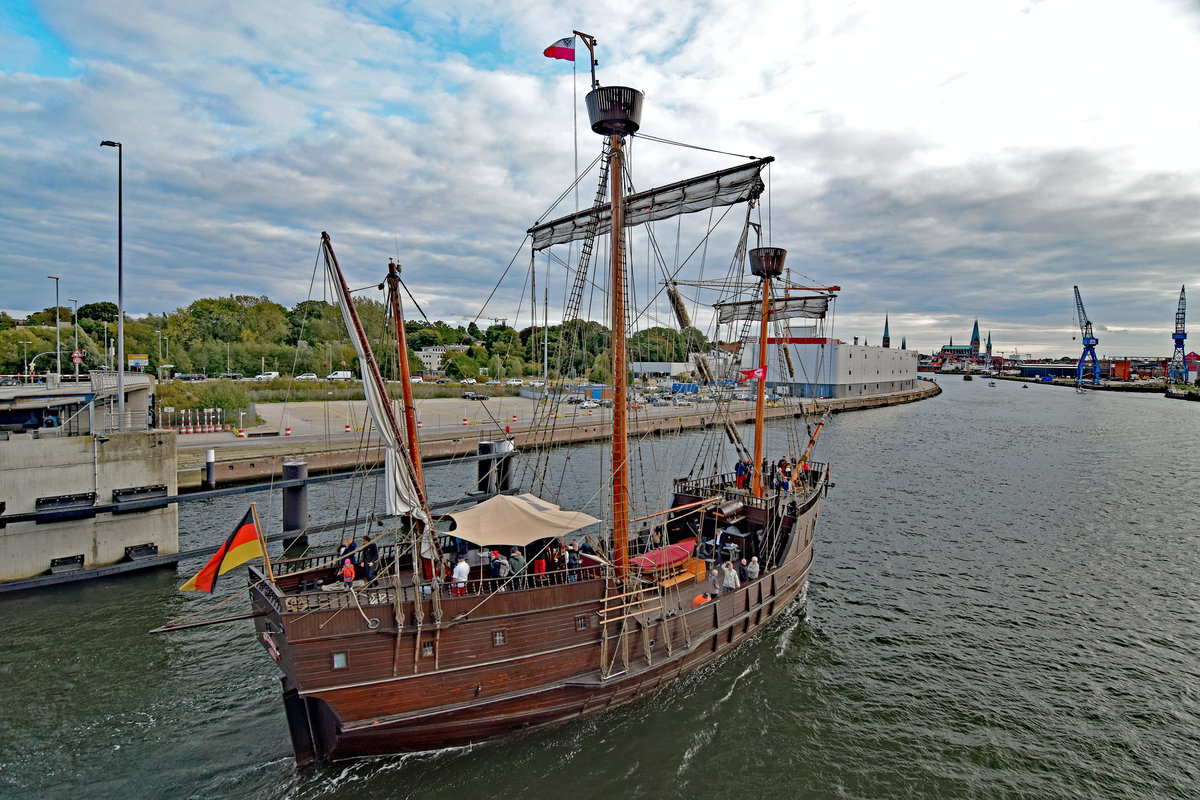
(723, 188)
(400, 489)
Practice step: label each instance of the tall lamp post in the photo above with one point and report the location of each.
(75, 322)
(25, 346)
(120, 285)
(57, 355)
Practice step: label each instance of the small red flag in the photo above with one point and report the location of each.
(241, 546)
(563, 48)
(758, 374)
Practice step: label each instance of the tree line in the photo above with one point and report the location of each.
(248, 334)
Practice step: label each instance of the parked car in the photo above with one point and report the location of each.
(443, 380)
(416, 379)
(574, 398)
(266, 376)
(537, 383)
(492, 383)
(661, 402)
(467, 381)
(606, 403)
(514, 382)
(589, 404)
(233, 376)
(340, 375)
(472, 396)
(308, 376)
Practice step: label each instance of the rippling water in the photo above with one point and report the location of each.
(1003, 605)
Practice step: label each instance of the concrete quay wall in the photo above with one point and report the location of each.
(49, 466)
(263, 459)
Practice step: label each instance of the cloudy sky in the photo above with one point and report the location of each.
(940, 161)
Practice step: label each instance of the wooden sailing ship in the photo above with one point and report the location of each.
(413, 661)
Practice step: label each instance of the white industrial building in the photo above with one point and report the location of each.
(826, 367)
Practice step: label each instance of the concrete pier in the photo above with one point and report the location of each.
(442, 435)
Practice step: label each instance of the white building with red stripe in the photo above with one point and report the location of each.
(826, 367)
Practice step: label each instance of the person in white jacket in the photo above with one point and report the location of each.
(729, 577)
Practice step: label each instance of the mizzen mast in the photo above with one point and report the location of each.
(616, 112)
(766, 263)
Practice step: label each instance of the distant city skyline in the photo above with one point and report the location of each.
(941, 161)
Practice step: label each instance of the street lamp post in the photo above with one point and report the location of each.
(167, 339)
(57, 355)
(120, 284)
(159, 345)
(75, 320)
(25, 357)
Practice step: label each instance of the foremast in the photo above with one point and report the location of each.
(405, 490)
(410, 417)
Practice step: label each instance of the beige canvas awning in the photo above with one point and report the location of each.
(516, 521)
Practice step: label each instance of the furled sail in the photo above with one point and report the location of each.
(812, 307)
(400, 490)
(723, 188)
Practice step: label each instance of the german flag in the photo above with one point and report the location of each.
(241, 546)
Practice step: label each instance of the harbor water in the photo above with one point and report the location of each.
(1003, 605)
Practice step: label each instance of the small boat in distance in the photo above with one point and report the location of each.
(968, 377)
(410, 658)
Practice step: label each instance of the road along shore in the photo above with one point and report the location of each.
(332, 437)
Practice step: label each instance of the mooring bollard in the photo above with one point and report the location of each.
(295, 503)
(210, 469)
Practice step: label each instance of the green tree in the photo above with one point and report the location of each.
(102, 311)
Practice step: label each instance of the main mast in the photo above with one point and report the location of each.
(616, 112)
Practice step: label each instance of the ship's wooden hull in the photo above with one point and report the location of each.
(502, 662)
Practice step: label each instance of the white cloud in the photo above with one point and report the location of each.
(940, 160)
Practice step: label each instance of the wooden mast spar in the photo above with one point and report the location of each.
(616, 112)
(766, 263)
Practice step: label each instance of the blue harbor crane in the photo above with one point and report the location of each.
(1089, 344)
(1177, 372)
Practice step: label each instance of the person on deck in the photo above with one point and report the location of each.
(516, 565)
(347, 574)
(573, 563)
(462, 571)
(729, 577)
(558, 562)
(539, 567)
(741, 571)
(714, 579)
(701, 599)
(739, 471)
(368, 558)
(497, 570)
(753, 569)
(347, 549)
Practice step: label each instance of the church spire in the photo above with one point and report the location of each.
(887, 340)
(975, 339)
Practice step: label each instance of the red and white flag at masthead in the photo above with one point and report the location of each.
(563, 48)
(758, 374)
